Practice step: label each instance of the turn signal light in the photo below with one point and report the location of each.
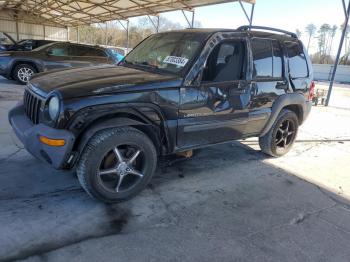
(52, 142)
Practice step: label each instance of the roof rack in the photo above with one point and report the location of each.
(248, 27)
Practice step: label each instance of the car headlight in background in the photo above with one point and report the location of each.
(54, 107)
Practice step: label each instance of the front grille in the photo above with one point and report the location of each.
(32, 105)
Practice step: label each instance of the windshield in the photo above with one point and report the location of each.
(170, 52)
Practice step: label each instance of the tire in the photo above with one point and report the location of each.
(23, 72)
(103, 149)
(271, 143)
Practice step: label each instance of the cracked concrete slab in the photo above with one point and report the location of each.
(226, 203)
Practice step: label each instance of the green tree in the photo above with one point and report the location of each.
(310, 29)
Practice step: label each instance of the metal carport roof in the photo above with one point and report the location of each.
(79, 12)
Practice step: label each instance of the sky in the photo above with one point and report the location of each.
(284, 14)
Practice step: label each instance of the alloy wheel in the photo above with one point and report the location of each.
(121, 168)
(24, 74)
(285, 134)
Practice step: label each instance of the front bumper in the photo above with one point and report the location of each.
(29, 134)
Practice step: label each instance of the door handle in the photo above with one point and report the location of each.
(282, 85)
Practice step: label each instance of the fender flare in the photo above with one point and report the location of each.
(283, 101)
(24, 61)
(105, 124)
(110, 119)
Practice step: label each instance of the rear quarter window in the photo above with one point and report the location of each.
(296, 60)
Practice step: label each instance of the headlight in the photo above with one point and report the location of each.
(54, 107)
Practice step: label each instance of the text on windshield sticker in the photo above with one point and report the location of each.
(175, 60)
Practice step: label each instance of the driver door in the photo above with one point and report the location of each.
(216, 109)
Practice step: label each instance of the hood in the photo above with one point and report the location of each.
(18, 53)
(10, 37)
(97, 80)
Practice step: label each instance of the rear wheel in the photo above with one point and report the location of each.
(117, 164)
(280, 138)
(23, 72)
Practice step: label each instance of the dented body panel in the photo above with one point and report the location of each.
(178, 111)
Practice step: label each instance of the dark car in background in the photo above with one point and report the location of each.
(59, 55)
(7, 43)
(117, 53)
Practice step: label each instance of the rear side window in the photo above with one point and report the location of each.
(262, 58)
(78, 50)
(277, 59)
(267, 58)
(296, 60)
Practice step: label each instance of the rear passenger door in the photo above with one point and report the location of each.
(82, 56)
(268, 81)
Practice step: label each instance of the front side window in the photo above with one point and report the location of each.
(79, 50)
(296, 60)
(170, 52)
(225, 63)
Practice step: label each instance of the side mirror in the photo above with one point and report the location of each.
(49, 52)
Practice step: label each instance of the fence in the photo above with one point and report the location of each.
(22, 29)
(324, 73)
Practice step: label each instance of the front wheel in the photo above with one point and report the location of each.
(280, 138)
(117, 164)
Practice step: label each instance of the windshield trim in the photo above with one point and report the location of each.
(147, 68)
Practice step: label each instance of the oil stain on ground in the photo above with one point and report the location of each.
(117, 219)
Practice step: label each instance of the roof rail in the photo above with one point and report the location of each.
(248, 27)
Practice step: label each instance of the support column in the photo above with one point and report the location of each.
(251, 15)
(347, 13)
(127, 36)
(17, 32)
(249, 18)
(106, 34)
(44, 30)
(78, 35)
(192, 22)
(155, 25)
(158, 24)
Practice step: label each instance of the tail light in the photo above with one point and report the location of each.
(311, 91)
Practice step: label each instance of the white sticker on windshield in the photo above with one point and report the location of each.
(175, 60)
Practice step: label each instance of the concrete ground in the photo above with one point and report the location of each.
(227, 203)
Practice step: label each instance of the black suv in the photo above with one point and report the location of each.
(176, 91)
(21, 65)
